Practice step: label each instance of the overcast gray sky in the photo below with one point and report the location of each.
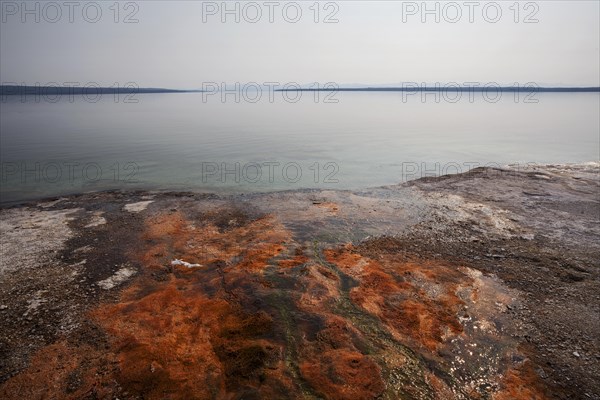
(183, 44)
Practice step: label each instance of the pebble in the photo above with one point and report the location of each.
(542, 373)
(576, 354)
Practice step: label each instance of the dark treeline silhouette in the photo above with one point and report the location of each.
(525, 89)
(22, 90)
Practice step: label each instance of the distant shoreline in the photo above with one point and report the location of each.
(449, 89)
(18, 90)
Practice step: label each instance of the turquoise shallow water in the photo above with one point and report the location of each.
(189, 142)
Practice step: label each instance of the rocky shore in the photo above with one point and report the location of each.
(483, 285)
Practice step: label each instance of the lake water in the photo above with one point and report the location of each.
(199, 143)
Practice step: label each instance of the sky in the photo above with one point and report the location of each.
(186, 44)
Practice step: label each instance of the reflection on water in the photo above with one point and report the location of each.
(187, 142)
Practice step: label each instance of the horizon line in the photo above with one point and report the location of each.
(8, 90)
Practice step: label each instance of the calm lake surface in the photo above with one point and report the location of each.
(199, 143)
